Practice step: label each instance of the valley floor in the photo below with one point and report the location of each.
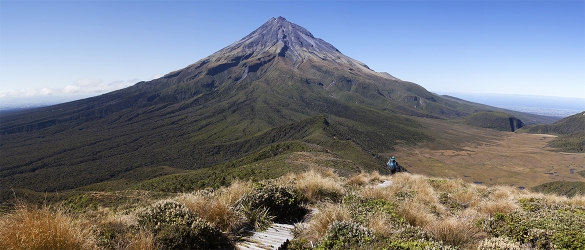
(493, 158)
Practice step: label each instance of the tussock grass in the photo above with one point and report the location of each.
(323, 217)
(453, 231)
(381, 224)
(218, 207)
(365, 178)
(30, 227)
(316, 184)
(375, 193)
(490, 208)
(414, 212)
(577, 200)
(142, 241)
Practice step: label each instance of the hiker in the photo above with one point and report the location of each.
(394, 166)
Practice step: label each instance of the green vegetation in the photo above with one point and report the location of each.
(344, 235)
(566, 188)
(569, 143)
(540, 225)
(175, 227)
(574, 124)
(284, 204)
(414, 212)
(571, 131)
(494, 120)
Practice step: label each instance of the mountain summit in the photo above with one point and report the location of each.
(266, 98)
(277, 42)
(289, 42)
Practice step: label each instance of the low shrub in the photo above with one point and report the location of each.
(413, 245)
(283, 202)
(363, 208)
(541, 225)
(111, 234)
(175, 227)
(320, 222)
(498, 243)
(346, 235)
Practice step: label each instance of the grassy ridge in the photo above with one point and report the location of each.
(574, 124)
(89, 155)
(566, 188)
(570, 143)
(571, 131)
(413, 212)
(494, 120)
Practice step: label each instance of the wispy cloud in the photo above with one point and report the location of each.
(81, 86)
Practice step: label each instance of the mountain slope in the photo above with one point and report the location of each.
(494, 120)
(574, 124)
(278, 84)
(571, 131)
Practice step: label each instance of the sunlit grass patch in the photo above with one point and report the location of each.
(30, 227)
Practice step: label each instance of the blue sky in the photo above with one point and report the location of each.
(90, 47)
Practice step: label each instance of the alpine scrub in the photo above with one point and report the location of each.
(353, 212)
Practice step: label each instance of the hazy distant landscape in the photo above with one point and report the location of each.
(539, 105)
(20, 103)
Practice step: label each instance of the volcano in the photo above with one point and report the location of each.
(275, 92)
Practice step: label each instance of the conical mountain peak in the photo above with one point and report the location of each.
(279, 40)
(287, 39)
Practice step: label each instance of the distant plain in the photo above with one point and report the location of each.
(490, 157)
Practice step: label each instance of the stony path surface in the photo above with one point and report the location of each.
(272, 238)
(384, 184)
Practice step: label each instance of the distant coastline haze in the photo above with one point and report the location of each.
(540, 105)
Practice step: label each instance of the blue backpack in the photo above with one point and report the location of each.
(392, 164)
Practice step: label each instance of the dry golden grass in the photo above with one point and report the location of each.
(30, 227)
(490, 208)
(217, 207)
(316, 183)
(577, 200)
(381, 224)
(490, 157)
(142, 241)
(442, 185)
(376, 193)
(415, 213)
(453, 231)
(467, 197)
(357, 180)
(365, 178)
(445, 210)
(325, 215)
(235, 191)
(504, 193)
